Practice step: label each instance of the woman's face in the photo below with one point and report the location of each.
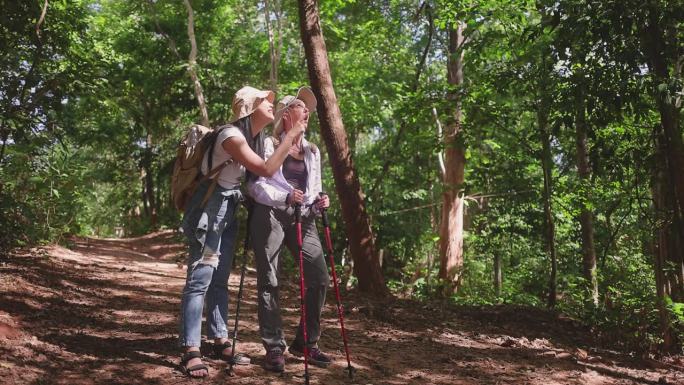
(264, 111)
(295, 112)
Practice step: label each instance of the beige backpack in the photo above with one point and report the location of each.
(187, 170)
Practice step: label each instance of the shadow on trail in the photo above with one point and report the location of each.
(106, 312)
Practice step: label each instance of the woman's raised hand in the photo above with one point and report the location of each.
(296, 131)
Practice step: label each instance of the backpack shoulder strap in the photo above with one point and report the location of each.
(213, 172)
(210, 156)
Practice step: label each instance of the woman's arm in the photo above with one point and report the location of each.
(238, 148)
(262, 189)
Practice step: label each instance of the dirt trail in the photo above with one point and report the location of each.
(104, 311)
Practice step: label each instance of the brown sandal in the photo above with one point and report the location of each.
(240, 358)
(188, 371)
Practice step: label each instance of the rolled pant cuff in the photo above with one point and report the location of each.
(190, 344)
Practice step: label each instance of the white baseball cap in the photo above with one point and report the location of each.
(304, 94)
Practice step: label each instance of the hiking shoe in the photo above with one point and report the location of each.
(316, 356)
(274, 360)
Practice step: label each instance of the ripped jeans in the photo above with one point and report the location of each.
(210, 233)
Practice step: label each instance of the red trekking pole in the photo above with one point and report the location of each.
(340, 308)
(302, 289)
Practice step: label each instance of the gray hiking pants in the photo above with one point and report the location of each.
(270, 229)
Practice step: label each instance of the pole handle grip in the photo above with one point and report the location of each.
(324, 212)
(298, 213)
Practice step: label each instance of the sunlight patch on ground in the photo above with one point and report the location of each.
(461, 339)
(63, 253)
(143, 317)
(395, 333)
(10, 328)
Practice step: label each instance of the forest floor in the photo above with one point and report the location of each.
(104, 311)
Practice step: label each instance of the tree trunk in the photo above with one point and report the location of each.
(362, 243)
(192, 67)
(662, 242)
(159, 191)
(549, 229)
(149, 182)
(275, 41)
(143, 190)
(675, 266)
(451, 225)
(659, 64)
(671, 146)
(586, 216)
(498, 274)
(4, 136)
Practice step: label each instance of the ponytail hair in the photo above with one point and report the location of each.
(256, 143)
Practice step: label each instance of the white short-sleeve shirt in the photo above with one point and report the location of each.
(231, 175)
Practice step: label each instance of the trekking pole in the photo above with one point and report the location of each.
(245, 247)
(340, 308)
(302, 289)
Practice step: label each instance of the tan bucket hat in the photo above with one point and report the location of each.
(304, 94)
(247, 99)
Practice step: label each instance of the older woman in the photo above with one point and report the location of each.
(210, 224)
(296, 182)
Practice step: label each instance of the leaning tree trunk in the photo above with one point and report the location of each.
(586, 216)
(362, 244)
(451, 225)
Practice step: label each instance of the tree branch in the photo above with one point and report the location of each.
(169, 39)
(440, 155)
(431, 28)
(42, 18)
(192, 57)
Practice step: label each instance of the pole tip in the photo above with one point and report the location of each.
(351, 371)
